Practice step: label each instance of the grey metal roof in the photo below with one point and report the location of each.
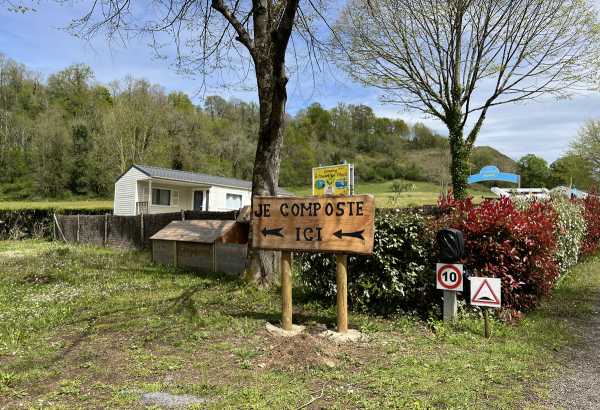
(186, 176)
(206, 231)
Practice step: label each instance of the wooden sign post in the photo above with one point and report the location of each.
(339, 224)
(286, 290)
(342, 292)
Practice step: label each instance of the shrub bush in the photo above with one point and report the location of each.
(397, 277)
(591, 214)
(503, 241)
(570, 230)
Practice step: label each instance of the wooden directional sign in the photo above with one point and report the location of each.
(342, 224)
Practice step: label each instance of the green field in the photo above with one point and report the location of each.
(419, 193)
(78, 204)
(85, 327)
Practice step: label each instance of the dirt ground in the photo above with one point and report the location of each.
(578, 384)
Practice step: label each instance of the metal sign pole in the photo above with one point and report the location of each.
(450, 306)
(486, 323)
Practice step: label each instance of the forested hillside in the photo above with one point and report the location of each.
(69, 135)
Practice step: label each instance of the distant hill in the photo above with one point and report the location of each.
(485, 155)
(71, 136)
(435, 162)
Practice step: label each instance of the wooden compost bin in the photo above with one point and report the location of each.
(206, 246)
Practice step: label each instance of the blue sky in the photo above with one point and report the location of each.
(36, 39)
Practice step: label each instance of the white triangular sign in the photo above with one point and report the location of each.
(485, 291)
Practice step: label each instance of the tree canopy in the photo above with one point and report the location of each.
(456, 59)
(71, 135)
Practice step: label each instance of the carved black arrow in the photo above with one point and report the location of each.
(357, 234)
(273, 232)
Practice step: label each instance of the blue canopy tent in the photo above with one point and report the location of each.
(492, 173)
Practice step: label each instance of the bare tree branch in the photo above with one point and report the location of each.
(455, 59)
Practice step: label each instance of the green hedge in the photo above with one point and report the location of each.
(528, 245)
(397, 278)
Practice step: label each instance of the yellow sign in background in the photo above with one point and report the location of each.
(332, 180)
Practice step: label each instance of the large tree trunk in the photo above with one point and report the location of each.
(262, 267)
(459, 167)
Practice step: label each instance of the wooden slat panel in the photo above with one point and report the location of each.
(195, 255)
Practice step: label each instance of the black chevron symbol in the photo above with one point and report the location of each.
(272, 232)
(357, 234)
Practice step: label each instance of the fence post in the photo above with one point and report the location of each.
(182, 215)
(59, 228)
(54, 228)
(142, 230)
(77, 227)
(105, 229)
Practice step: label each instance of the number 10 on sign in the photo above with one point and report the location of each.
(449, 276)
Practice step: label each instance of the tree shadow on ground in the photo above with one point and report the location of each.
(299, 317)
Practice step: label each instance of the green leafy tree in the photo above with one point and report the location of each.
(51, 155)
(587, 145)
(534, 172)
(70, 88)
(573, 169)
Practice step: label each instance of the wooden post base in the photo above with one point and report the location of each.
(286, 290)
(342, 292)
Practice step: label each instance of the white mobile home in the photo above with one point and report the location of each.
(151, 190)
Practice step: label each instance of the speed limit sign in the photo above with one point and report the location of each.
(449, 276)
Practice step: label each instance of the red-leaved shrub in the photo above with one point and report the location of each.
(591, 213)
(514, 245)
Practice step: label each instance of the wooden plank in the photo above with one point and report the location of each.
(342, 224)
(175, 262)
(105, 229)
(213, 251)
(142, 230)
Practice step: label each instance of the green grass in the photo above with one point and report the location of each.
(420, 193)
(79, 204)
(83, 327)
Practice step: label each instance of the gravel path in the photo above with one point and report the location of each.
(578, 385)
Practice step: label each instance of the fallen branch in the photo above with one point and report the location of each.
(312, 400)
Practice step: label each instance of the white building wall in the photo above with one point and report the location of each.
(126, 192)
(134, 186)
(218, 197)
(184, 202)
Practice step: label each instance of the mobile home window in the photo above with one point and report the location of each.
(161, 197)
(233, 201)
